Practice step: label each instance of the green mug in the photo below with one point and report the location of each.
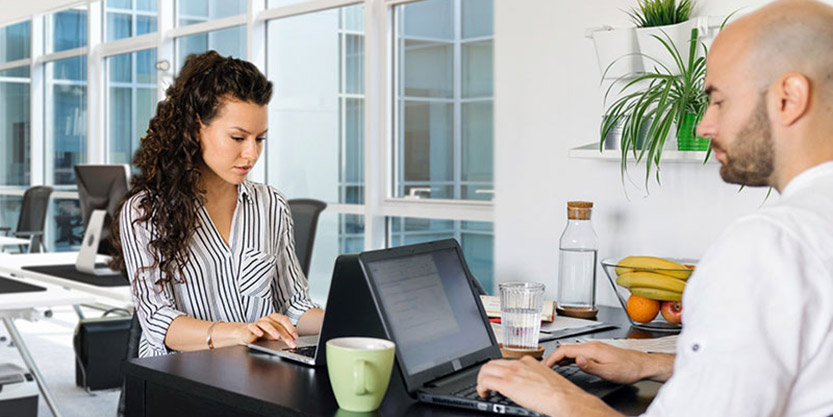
(359, 369)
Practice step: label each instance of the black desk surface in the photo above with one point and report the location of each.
(10, 286)
(233, 381)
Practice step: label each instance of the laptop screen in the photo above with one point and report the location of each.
(430, 307)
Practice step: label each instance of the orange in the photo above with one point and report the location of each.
(641, 309)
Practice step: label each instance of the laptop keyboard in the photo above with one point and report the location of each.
(470, 392)
(308, 351)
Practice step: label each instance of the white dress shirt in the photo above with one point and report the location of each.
(255, 275)
(757, 335)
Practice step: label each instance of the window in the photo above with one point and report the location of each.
(228, 42)
(14, 127)
(126, 18)
(442, 141)
(131, 102)
(316, 124)
(68, 30)
(197, 11)
(15, 42)
(443, 107)
(316, 118)
(476, 240)
(10, 211)
(66, 118)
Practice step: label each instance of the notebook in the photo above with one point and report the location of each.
(430, 308)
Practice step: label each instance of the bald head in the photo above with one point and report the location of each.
(787, 36)
(770, 82)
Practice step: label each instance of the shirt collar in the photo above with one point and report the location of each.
(807, 177)
(244, 191)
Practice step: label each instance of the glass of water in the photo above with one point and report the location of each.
(520, 314)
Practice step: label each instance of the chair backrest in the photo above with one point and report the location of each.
(33, 210)
(305, 214)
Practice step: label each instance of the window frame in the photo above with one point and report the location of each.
(379, 99)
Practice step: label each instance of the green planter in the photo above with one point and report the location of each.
(686, 139)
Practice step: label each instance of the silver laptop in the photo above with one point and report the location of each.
(349, 307)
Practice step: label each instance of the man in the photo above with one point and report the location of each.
(758, 320)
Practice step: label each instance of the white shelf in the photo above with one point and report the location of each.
(591, 151)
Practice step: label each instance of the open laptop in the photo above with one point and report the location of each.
(430, 308)
(349, 312)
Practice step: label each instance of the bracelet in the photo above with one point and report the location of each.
(208, 340)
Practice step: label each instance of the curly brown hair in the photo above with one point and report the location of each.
(170, 156)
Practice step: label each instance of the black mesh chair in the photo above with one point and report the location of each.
(305, 214)
(32, 218)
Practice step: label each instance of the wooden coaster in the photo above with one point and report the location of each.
(512, 353)
(579, 313)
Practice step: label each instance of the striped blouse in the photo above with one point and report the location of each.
(257, 274)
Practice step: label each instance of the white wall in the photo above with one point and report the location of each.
(547, 100)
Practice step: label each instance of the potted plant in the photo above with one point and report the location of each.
(654, 102)
(667, 18)
(617, 51)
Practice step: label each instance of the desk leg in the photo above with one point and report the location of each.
(27, 358)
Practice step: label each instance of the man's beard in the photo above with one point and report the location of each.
(750, 160)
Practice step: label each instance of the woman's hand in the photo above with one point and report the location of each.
(272, 327)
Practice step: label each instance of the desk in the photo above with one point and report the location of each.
(233, 381)
(21, 305)
(12, 241)
(13, 265)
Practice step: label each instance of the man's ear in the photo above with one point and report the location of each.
(793, 92)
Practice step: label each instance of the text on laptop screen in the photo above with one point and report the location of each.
(431, 308)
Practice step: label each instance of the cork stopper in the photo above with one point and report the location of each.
(579, 210)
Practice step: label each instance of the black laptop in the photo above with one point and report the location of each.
(430, 308)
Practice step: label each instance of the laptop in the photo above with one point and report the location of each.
(430, 308)
(349, 312)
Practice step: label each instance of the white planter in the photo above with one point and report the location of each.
(617, 51)
(654, 52)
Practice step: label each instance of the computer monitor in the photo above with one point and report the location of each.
(100, 191)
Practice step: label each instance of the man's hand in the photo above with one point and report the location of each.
(622, 366)
(535, 386)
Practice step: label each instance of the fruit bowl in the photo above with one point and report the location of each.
(654, 278)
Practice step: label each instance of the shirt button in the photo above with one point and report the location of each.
(695, 347)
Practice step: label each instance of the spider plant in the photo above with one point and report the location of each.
(657, 99)
(652, 13)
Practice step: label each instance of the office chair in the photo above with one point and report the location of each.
(305, 214)
(132, 353)
(32, 218)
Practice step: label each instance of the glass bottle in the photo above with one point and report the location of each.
(578, 250)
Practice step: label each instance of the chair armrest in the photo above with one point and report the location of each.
(5, 230)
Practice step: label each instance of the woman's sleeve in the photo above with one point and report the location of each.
(155, 307)
(293, 283)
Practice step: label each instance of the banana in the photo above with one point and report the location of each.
(644, 279)
(657, 294)
(654, 264)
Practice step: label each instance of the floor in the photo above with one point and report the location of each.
(50, 342)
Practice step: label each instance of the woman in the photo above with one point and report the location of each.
(210, 255)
